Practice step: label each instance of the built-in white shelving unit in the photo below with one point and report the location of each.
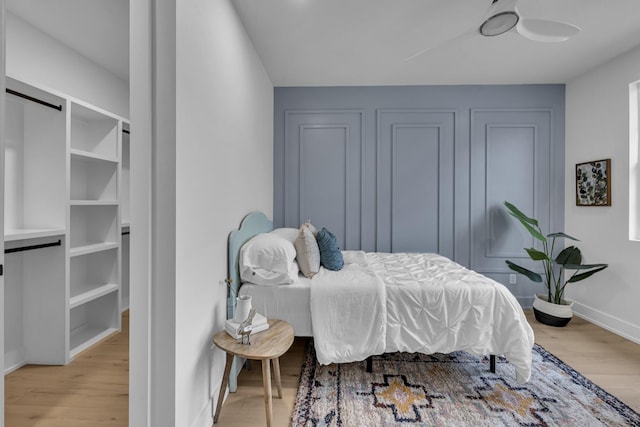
(94, 226)
(62, 231)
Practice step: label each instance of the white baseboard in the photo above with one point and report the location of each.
(13, 367)
(14, 359)
(608, 322)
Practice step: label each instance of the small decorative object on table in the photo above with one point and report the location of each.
(258, 323)
(243, 308)
(245, 321)
(246, 327)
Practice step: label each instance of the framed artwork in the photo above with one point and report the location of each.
(593, 183)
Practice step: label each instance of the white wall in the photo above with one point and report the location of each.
(224, 170)
(597, 127)
(202, 105)
(35, 57)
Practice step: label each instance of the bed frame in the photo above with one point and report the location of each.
(492, 363)
(252, 224)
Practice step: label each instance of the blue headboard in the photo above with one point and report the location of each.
(252, 224)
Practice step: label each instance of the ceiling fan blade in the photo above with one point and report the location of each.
(492, 4)
(461, 36)
(542, 30)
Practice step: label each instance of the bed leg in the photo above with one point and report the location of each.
(492, 363)
(370, 364)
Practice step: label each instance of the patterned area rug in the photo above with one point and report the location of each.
(454, 389)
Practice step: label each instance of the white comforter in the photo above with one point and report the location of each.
(348, 311)
(381, 303)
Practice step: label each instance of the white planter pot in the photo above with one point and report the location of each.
(243, 307)
(550, 313)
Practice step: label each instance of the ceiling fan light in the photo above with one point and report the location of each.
(499, 23)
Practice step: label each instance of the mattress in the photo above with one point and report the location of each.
(289, 302)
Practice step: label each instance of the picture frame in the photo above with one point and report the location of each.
(593, 183)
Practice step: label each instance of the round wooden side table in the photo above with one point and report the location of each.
(265, 346)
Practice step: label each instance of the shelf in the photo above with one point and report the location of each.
(93, 321)
(93, 203)
(89, 156)
(93, 132)
(83, 338)
(93, 224)
(91, 248)
(91, 292)
(93, 179)
(11, 235)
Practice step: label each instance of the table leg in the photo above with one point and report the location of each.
(266, 380)
(223, 386)
(276, 374)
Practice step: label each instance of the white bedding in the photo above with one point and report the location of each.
(288, 302)
(388, 302)
(428, 304)
(348, 311)
(436, 305)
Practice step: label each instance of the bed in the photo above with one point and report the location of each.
(388, 302)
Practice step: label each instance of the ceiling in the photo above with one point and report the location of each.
(367, 42)
(97, 29)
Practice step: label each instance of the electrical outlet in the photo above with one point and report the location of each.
(512, 279)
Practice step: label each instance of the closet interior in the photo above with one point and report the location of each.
(66, 227)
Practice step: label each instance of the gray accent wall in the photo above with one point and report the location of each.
(423, 168)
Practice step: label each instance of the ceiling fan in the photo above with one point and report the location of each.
(503, 16)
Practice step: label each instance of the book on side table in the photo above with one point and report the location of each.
(259, 324)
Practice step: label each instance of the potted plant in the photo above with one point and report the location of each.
(552, 308)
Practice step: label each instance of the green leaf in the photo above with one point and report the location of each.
(528, 223)
(533, 276)
(518, 214)
(583, 266)
(535, 233)
(560, 234)
(570, 255)
(582, 276)
(537, 255)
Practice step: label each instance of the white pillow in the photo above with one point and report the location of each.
(268, 259)
(291, 234)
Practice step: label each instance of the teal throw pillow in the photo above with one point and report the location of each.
(330, 255)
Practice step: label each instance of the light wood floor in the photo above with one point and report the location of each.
(92, 390)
